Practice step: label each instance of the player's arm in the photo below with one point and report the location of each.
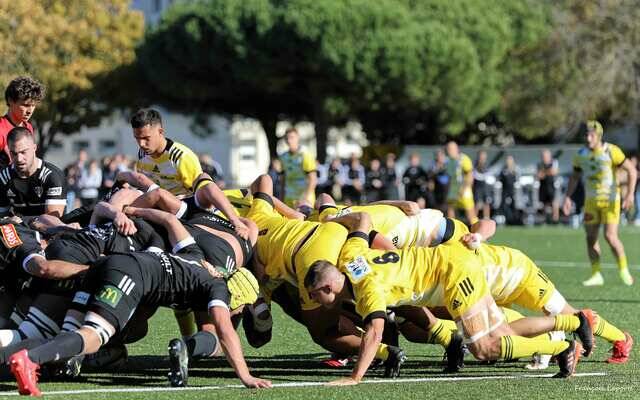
(208, 194)
(311, 178)
(55, 192)
(179, 237)
(49, 224)
(632, 176)
(571, 187)
(232, 348)
(136, 179)
(480, 232)
(108, 211)
(38, 266)
(467, 179)
(285, 210)
(408, 207)
(355, 222)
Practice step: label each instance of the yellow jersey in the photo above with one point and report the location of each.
(457, 169)
(598, 168)
(412, 276)
(175, 170)
(296, 166)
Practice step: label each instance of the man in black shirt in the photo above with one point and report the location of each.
(414, 179)
(374, 184)
(509, 177)
(547, 173)
(30, 186)
(118, 284)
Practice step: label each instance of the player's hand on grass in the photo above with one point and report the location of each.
(566, 206)
(256, 383)
(343, 382)
(124, 224)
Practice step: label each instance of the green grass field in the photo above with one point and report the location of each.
(291, 360)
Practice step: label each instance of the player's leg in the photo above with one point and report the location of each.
(593, 249)
(611, 236)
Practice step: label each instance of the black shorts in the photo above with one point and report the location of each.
(482, 193)
(546, 194)
(112, 292)
(214, 247)
(81, 215)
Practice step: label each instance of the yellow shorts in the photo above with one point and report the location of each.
(601, 212)
(535, 289)
(464, 202)
(325, 244)
(263, 213)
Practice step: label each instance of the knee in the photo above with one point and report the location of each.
(611, 237)
(261, 183)
(486, 350)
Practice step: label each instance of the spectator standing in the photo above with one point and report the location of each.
(332, 179)
(482, 193)
(414, 179)
(354, 179)
(390, 178)
(22, 95)
(440, 180)
(508, 177)
(89, 184)
(277, 176)
(109, 173)
(547, 175)
(374, 186)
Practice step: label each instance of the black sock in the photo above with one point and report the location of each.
(63, 346)
(28, 344)
(202, 344)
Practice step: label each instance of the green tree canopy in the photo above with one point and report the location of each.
(74, 49)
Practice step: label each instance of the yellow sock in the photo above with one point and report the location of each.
(607, 331)
(622, 262)
(567, 323)
(595, 267)
(186, 322)
(440, 333)
(383, 352)
(512, 347)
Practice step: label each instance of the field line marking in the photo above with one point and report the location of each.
(571, 264)
(301, 384)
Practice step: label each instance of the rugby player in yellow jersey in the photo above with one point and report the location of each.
(405, 224)
(449, 275)
(300, 173)
(285, 249)
(460, 170)
(174, 167)
(599, 163)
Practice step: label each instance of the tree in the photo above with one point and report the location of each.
(79, 50)
(587, 66)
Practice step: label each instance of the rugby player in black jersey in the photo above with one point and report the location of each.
(118, 284)
(30, 186)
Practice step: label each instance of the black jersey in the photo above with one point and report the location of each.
(120, 283)
(86, 245)
(19, 245)
(218, 251)
(29, 196)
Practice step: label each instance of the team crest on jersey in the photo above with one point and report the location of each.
(358, 268)
(10, 236)
(54, 191)
(38, 190)
(156, 169)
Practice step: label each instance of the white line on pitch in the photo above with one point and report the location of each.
(303, 384)
(570, 264)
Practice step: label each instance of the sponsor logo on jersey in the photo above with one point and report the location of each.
(358, 268)
(109, 295)
(54, 191)
(10, 236)
(455, 304)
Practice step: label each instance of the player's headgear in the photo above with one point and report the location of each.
(243, 287)
(595, 126)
